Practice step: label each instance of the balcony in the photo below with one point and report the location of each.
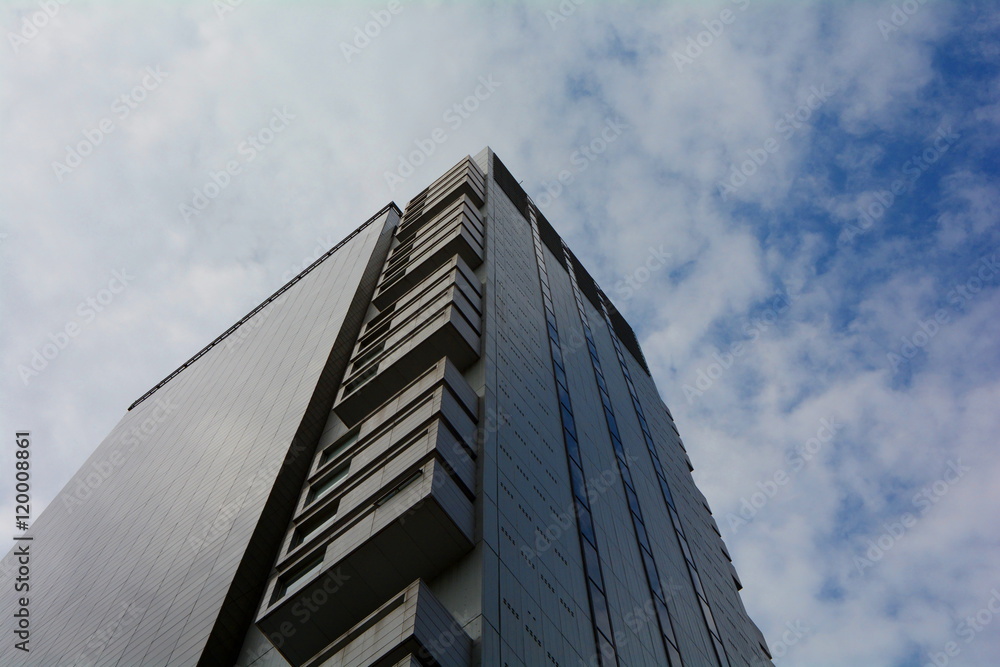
(439, 317)
(413, 628)
(465, 179)
(458, 230)
(420, 526)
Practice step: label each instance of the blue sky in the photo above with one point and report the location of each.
(853, 358)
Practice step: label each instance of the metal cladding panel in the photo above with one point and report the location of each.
(535, 595)
(132, 563)
(535, 605)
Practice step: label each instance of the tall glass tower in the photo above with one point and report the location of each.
(440, 444)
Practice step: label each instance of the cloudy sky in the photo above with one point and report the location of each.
(823, 177)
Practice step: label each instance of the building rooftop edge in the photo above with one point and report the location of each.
(391, 206)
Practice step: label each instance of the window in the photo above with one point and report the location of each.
(338, 448)
(360, 379)
(399, 487)
(328, 483)
(592, 563)
(586, 523)
(294, 582)
(320, 521)
(368, 356)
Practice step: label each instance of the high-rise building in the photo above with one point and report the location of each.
(440, 444)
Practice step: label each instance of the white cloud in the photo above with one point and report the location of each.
(656, 185)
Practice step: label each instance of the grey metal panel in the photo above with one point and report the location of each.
(164, 517)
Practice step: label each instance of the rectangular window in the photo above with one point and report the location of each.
(328, 483)
(294, 582)
(338, 448)
(563, 397)
(669, 496)
(402, 485)
(586, 523)
(592, 564)
(560, 375)
(567, 419)
(654, 581)
(317, 523)
(577, 479)
(572, 446)
(640, 532)
(633, 501)
(665, 628)
(602, 619)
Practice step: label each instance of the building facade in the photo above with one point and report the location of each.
(438, 445)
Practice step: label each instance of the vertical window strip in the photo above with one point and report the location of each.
(667, 495)
(667, 631)
(604, 637)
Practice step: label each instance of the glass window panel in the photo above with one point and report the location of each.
(322, 520)
(328, 483)
(586, 523)
(606, 651)
(567, 419)
(633, 502)
(640, 532)
(654, 579)
(664, 617)
(626, 475)
(670, 501)
(602, 619)
(338, 448)
(709, 618)
(563, 397)
(572, 446)
(592, 564)
(560, 375)
(295, 582)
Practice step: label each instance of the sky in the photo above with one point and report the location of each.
(794, 204)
